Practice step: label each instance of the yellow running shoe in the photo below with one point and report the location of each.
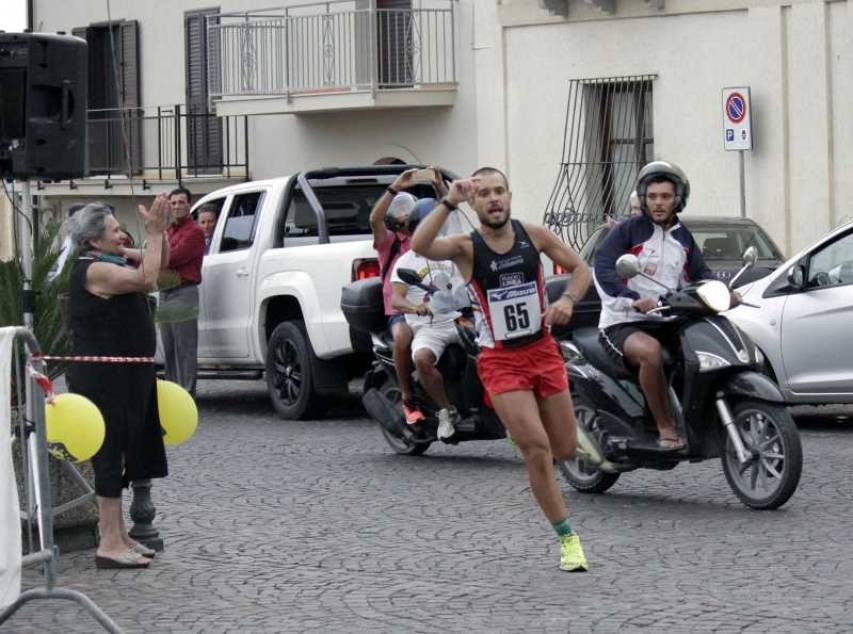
(572, 558)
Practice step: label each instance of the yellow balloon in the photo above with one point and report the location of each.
(178, 413)
(75, 427)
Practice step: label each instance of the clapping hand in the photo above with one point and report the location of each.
(158, 216)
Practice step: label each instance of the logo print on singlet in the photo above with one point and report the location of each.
(511, 279)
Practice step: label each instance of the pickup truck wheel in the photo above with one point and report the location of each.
(289, 379)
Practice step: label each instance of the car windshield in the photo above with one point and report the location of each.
(729, 242)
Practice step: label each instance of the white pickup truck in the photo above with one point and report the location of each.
(271, 282)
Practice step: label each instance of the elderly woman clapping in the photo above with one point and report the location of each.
(111, 321)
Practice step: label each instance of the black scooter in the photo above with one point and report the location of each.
(723, 405)
(361, 303)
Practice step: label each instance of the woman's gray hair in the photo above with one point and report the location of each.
(87, 224)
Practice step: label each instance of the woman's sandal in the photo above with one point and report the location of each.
(129, 559)
(672, 443)
(141, 549)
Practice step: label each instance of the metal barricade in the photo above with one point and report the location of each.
(28, 368)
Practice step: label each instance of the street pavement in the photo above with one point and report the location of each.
(274, 526)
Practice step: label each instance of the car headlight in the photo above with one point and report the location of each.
(709, 361)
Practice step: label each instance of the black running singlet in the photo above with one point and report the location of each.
(510, 290)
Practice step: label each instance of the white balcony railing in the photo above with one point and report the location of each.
(336, 46)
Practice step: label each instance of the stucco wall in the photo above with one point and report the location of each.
(797, 60)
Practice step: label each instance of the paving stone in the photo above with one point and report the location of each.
(315, 526)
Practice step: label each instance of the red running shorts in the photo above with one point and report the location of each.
(536, 367)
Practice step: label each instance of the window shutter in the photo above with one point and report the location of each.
(129, 93)
(129, 60)
(204, 131)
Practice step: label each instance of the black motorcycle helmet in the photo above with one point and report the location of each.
(658, 171)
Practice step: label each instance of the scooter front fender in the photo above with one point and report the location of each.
(752, 385)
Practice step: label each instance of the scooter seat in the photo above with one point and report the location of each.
(590, 345)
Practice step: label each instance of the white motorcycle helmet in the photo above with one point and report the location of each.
(666, 171)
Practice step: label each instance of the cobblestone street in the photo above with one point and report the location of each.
(274, 526)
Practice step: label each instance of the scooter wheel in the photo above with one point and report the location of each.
(771, 475)
(399, 444)
(584, 477)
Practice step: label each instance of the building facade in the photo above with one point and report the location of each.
(568, 96)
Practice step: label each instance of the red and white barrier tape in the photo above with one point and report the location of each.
(43, 382)
(95, 359)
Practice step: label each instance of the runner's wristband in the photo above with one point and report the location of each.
(391, 190)
(450, 206)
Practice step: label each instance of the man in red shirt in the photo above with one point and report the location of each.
(178, 312)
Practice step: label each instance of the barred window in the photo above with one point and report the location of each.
(608, 138)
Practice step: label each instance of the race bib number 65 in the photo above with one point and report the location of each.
(515, 311)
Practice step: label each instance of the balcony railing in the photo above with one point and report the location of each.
(166, 143)
(336, 46)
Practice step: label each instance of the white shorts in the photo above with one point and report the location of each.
(434, 338)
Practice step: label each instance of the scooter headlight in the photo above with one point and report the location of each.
(759, 356)
(709, 361)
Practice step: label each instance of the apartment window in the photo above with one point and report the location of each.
(608, 138)
(115, 117)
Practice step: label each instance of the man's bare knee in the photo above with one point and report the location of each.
(424, 361)
(645, 351)
(534, 450)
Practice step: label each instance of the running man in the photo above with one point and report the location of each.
(520, 365)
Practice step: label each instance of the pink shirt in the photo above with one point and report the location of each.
(383, 253)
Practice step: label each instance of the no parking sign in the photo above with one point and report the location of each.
(737, 119)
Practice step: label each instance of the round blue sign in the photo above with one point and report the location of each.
(735, 107)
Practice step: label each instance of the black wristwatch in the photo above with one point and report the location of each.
(450, 206)
(391, 190)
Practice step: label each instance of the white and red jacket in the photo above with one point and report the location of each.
(669, 256)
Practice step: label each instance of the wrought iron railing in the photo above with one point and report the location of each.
(608, 138)
(166, 143)
(341, 45)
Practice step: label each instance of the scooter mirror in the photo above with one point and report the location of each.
(628, 266)
(750, 257)
(409, 276)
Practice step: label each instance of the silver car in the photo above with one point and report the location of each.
(804, 325)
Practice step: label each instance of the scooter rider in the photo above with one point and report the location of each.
(520, 363)
(668, 254)
(391, 240)
(433, 329)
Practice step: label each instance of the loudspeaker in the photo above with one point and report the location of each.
(43, 88)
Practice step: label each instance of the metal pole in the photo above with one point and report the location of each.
(742, 184)
(26, 252)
